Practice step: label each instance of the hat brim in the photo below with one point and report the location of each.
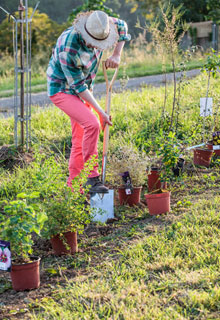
(109, 42)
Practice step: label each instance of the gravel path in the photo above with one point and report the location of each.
(41, 99)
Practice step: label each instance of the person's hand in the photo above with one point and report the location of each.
(104, 119)
(113, 61)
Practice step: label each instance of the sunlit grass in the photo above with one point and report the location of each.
(171, 274)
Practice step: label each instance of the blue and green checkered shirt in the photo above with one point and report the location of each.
(73, 66)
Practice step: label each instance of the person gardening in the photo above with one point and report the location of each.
(70, 77)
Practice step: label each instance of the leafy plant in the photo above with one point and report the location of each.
(18, 220)
(210, 67)
(66, 209)
(168, 153)
(127, 158)
(168, 37)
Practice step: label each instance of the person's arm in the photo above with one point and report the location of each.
(104, 117)
(114, 60)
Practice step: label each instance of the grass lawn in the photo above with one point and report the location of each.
(138, 266)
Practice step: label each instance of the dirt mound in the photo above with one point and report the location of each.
(11, 157)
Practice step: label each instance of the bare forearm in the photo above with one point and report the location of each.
(114, 60)
(118, 48)
(88, 97)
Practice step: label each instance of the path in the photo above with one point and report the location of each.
(6, 104)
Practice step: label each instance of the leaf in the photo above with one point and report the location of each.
(52, 271)
(34, 195)
(22, 195)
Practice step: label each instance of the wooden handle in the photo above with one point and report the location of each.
(107, 110)
(109, 85)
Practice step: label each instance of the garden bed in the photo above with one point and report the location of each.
(102, 246)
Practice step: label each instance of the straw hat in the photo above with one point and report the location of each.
(97, 29)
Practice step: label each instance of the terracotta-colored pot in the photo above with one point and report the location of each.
(130, 199)
(202, 157)
(209, 145)
(153, 179)
(217, 152)
(59, 247)
(26, 276)
(158, 203)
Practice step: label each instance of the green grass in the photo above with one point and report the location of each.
(158, 272)
(142, 267)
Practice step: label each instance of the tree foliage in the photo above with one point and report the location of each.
(57, 10)
(193, 11)
(44, 33)
(90, 5)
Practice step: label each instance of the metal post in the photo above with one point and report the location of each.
(22, 112)
(21, 9)
(215, 36)
(27, 75)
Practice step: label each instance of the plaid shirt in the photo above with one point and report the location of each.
(73, 66)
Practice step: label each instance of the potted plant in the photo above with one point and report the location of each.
(67, 212)
(19, 219)
(158, 201)
(203, 155)
(127, 161)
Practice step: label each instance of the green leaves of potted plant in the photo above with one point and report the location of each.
(126, 158)
(203, 155)
(158, 201)
(18, 221)
(67, 213)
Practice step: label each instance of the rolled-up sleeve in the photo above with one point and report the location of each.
(72, 71)
(122, 29)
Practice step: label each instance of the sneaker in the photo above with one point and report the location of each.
(96, 186)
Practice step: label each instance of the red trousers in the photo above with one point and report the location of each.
(85, 132)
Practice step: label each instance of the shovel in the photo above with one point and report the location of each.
(103, 203)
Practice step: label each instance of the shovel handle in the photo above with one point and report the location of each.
(109, 84)
(107, 110)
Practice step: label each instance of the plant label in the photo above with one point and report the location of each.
(205, 107)
(5, 256)
(127, 181)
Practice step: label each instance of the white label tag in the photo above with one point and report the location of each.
(128, 191)
(5, 256)
(205, 107)
(216, 147)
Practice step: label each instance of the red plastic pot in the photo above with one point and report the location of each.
(59, 247)
(158, 203)
(130, 199)
(210, 147)
(26, 276)
(202, 157)
(153, 179)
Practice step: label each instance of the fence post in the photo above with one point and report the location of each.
(21, 9)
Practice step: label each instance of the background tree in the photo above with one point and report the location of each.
(193, 11)
(89, 5)
(214, 10)
(57, 10)
(44, 33)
